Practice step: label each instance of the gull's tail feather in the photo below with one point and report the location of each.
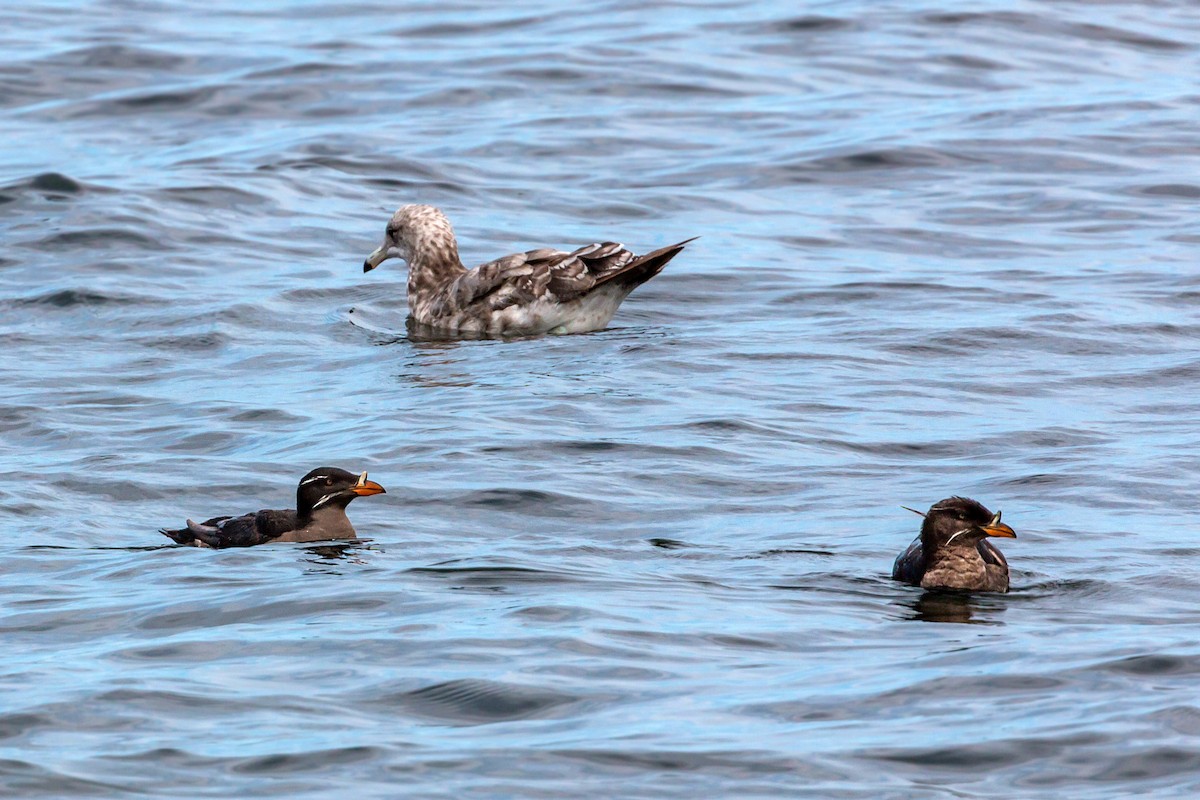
(643, 268)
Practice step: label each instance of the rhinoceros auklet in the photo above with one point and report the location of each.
(320, 514)
(539, 291)
(953, 552)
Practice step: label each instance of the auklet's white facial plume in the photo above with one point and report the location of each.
(539, 291)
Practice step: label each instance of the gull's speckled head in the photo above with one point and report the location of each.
(961, 520)
(418, 234)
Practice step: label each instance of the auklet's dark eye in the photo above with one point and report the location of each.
(329, 481)
(962, 517)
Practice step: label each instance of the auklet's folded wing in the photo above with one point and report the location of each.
(910, 565)
(992, 555)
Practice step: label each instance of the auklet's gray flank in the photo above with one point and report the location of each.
(539, 291)
(953, 552)
(320, 514)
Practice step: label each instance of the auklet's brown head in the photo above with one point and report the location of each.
(330, 487)
(961, 521)
(419, 235)
(952, 551)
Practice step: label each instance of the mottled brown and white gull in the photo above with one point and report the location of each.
(538, 291)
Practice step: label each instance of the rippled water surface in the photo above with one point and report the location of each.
(943, 251)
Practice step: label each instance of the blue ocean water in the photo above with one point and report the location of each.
(943, 251)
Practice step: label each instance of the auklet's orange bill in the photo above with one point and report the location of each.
(320, 514)
(953, 551)
(539, 291)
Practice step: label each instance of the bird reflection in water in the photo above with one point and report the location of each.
(421, 333)
(943, 606)
(330, 554)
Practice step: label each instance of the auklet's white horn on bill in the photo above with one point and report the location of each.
(320, 514)
(539, 291)
(953, 551)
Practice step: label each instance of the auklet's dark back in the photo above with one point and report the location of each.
(952, 551)
(538, 291)
(320, 514)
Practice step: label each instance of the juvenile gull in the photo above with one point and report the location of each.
(320, 514)
(953, 552)
(539, 291)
